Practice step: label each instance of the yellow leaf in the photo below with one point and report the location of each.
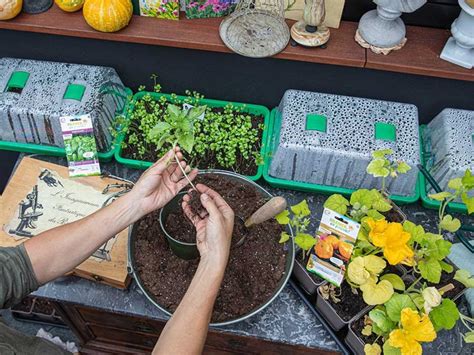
(414, 329)
(372, 349)
(376, 293)
(374, 264)
(356, 271)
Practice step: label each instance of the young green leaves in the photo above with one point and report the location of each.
(383, 166)
(179, 128)
(300, 222)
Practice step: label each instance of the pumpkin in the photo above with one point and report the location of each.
(10, 8)
(70, 5)
(108, 15)
(333, 240)
(323, 249)
(345, 249)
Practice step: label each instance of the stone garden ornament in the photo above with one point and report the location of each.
(460, 47)
(310, 31)
(36, 6)
(256, 28)
(382, 30)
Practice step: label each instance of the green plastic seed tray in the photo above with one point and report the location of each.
(273, 138)
(249, 108)
(425, 200)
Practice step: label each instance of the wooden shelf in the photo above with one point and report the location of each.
(420, 56)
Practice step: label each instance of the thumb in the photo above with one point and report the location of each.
(209, 205)
(161, 165)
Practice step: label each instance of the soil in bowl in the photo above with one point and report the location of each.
(244, 166)
(350, 305)
(255, 268)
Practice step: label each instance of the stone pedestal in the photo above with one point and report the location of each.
(382, 30)
(459, 48)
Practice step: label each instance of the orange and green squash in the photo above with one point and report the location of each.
(108, 15)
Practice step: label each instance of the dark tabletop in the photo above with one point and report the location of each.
(287, 319)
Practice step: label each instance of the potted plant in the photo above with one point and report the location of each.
(404, 316)
(362, 203)
(227, 136)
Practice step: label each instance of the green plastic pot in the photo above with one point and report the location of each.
(249, 108)
(183, 250)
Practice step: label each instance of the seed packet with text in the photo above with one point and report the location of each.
(336, 237)
(80, 145)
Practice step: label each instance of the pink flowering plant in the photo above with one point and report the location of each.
(164, 9)
(208, 8)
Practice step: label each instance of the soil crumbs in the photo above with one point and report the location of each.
(254, 271)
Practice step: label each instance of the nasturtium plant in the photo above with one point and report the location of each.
(375, 293)
(299, 220)
(464, 277)
(445, 315)
(383, 165)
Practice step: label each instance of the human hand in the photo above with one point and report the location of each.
(214, 230)
(160, 183)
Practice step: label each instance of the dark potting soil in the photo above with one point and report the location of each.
(351, 304)
(24, 305)
(393, 216)
(43, 307)
(358, 326)
(243, 166)
(254, 271)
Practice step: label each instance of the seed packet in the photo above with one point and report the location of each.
(209, 8)
(80, 145)
(164, 9)
(336, 237)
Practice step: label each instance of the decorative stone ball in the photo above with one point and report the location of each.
(108, 15)
(10, 8)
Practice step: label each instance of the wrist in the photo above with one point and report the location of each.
(214, 268)
(130, 208)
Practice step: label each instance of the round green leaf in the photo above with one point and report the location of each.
(395, 280)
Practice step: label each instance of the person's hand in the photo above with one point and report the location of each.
(160, 183)
(214, 229)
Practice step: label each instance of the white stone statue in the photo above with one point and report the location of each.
(382, 30)
(310, 31)
(459, 48)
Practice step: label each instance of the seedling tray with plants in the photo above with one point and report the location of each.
(38, 93)
(227, 136)
(309, 130)
(447, 152)
(258, 268)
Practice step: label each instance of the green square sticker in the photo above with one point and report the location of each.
(18, 79)
(315, 122)
(385, 131)
(74, 92)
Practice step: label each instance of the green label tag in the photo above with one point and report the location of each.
(315, 122)
(17, 80)
(74, 92)
(385, 131)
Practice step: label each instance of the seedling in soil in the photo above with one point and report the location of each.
(178, 130)
(383, 165)
(300, 221)
(461, 187)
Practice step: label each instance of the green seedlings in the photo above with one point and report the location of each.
(461, 187)
(382, 165)
(300, 222)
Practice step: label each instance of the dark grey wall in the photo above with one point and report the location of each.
(232, 77)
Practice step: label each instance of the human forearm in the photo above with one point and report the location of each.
(59, 250)
(185, 332)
